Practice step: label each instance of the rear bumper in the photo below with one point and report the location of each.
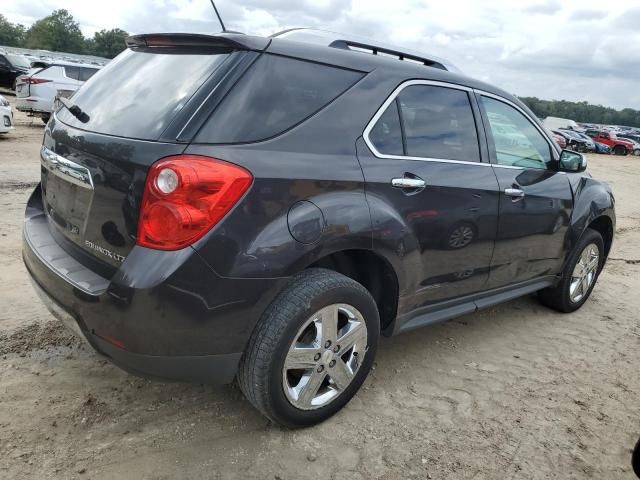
(160, 315)
(197, 369)
(33, 105)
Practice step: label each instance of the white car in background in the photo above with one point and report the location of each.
(6, 116)
(37, 90)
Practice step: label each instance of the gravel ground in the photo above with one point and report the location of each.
(514, 392)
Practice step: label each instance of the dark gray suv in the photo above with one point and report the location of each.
(227, 206)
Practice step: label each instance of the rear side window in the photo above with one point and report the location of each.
(386, 135)
(276, 94)
(138, 93)
(79, 73)
(438, 123)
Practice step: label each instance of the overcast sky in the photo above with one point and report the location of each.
(572, 49)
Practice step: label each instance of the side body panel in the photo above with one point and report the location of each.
(593, 200)
(413, 231)
(532, 231)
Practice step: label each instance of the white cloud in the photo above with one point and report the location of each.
(570, 49)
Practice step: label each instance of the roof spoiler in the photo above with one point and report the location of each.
(226, 41)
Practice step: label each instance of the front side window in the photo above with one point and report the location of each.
(517, 142)
(436, 122)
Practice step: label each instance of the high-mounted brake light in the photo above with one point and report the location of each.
(185, 196)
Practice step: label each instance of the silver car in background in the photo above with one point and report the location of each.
(37, 90)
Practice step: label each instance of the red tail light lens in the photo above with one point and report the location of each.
(185, 196)
(35, 81)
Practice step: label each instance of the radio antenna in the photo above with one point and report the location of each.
(213, 4)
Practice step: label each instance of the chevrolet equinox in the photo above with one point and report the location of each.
(222, 206)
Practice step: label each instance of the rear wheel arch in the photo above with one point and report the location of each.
(373, 272)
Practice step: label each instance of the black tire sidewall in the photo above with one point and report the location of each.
(285, 412)
(589, 237)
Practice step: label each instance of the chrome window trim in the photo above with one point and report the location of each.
(391, 99)
(435, 83)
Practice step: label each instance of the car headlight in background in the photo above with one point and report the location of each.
(4, 102)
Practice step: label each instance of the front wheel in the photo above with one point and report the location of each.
(579, 277)
(311, 350)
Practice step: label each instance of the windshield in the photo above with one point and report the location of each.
(19, 61)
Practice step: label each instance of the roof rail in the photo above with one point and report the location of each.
(359, 44)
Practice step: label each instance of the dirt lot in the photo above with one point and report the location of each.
(514, 392)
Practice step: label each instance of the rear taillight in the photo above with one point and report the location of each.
(185, 196)
(35, 81)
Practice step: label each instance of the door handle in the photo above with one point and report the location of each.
(515, 193)
(406, 182)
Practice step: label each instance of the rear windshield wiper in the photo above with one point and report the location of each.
(74, 109)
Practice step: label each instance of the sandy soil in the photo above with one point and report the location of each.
(514, 392)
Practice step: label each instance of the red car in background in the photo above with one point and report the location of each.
(619, 146)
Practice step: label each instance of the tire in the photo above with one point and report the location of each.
(45, 118)
(562, 297)
(262, 375)
(635, 459)
(619, 150)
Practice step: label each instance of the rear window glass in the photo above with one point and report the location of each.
(138, 93)
(79, 73)
(276, 94)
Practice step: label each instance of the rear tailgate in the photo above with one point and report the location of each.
(94, 167)
(92, 185)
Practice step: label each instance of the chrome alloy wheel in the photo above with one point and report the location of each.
(584, 273)
(324, 357)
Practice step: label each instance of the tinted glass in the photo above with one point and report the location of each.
(276, 94)
(386, 135)
(517, 142)
(71, 72)
(138, 93)
(85, 73)
(19, 61)
(3, 61)
(438, 123)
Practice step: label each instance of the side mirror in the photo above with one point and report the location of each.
(571, 161)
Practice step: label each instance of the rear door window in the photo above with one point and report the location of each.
(276, 94)
(138, 93)
(438, 123)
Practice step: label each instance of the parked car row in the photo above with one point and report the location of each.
(37, 90)
(38, 81)
(6, 116)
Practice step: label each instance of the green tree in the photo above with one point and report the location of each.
(107, 43)
(57, 32)
(11, 35)
(583, 112)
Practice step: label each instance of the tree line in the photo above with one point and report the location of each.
(583, 112)
(59, 32)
